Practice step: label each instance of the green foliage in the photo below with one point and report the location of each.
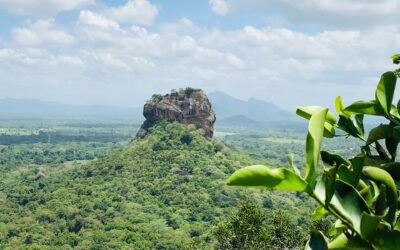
(189, 91)
(166, 191)
(252, 227)
(362, 193)
(396, 59)
(244, 229)
(308, 112)
(156, 97)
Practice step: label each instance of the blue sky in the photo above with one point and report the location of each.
(120, 52)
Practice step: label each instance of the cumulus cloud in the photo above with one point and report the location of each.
(41, 32)
(92, 19)
(66, 60)
(281, 65)
(329, 13)
(42, 7)
(140, 12)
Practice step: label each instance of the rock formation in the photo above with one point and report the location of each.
(188, 106)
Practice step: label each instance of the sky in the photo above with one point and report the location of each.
(303, 52)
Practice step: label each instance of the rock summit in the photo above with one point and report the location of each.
(187, 106)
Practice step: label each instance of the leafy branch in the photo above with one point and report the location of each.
(362, 192)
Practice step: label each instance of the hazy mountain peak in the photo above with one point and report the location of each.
(254, 109)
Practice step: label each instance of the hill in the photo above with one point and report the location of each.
(226, 106)
(238, 120)
(166, 191)
(31, 108)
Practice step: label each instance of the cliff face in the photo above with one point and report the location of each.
(189, 106)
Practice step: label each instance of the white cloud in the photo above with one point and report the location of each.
(328, 13)
(41, 32)
(140, 12)
(348, 6)
(220, 7)
(42, 7)
(89, 18)
(38, 58)
(111, 62)
(73, 61)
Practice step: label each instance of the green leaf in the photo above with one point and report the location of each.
(319, 213)
(365, 191)
(262, 176)
(382, 177)
(387, 240)
(385, 91)
(313, 144)
(396, 58)
(394, 112)
(391, 145)
(317, 241)
(347, 203)
(290, 158)
(308, 112)
(397, 226)
(369, 224)
(339, 105)
(351, 174)
(333, 159)
(364, 108)
(375, 195)
(393, 168)
(359, 119)
(337, 228)
(349, 126)
(382, 131)
(342, 242)
(373, 161)
(329, 179)
(381, 207)
(329, 131)
(398, 105)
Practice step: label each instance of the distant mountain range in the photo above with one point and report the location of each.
(226, 106)
(230, 111)
(31, 108)
(251, 113)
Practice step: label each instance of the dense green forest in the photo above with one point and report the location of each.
(164, 192)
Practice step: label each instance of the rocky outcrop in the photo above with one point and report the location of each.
(188, 106)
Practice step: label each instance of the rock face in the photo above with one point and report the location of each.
(189, 106)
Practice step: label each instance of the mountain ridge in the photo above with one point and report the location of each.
(225, 106)
(254, 109)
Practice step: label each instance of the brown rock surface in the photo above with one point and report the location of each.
(189, 106)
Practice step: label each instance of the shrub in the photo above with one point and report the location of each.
(156, 97)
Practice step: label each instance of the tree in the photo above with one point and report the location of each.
(361, 192)
(252, 227)
(244, 229)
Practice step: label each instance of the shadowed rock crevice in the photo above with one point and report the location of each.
(187, 106)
